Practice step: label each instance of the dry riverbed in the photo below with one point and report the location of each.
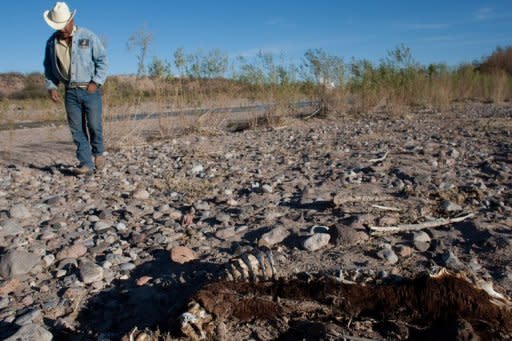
(96, 257)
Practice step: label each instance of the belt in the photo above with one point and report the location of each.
(75, 85)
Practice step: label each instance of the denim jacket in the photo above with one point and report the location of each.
(88, 60)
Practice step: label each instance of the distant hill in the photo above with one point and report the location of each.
(11, 83)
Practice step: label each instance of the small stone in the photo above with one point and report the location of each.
(201, 206)
(223, 218)
(182, 254)
(454, 153)
(20, 211)
(232, 202)
(75, 251)
(26, 301)
(175, 215)
(8, 286)
(100, 226)
(127, 266)
(55, 199)
(48, 260)
(267, 188)
(348, 235)
(74, 293)
(17, 263)
(316, 241)
(275, 236)
(226, 233)
(421, 237)
(121, 226)
(241, 228)
(33, 316)
(93, 218)
(10, 228)
(90, 272)
(449, 206)
(421, 241)
(143, 280)
(60, 273)
(115, 259)
(388, 221)
(31, 332)
(140, 194)
(48, 235)
(4, 302)
(451, 261)
(197, 169)
(404, 251)
(387, 254)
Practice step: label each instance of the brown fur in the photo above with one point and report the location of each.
(424, 301)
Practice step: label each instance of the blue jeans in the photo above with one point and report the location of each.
(84, 119)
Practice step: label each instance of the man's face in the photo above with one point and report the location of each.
(66, 32)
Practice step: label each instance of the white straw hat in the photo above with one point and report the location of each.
(59, 16)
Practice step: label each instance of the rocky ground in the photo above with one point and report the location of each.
(94, 257)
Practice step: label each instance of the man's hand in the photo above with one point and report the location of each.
(92, 87)
(54, 95)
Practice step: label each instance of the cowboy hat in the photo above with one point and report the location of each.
(59, 16)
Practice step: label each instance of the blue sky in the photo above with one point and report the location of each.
(436, 31)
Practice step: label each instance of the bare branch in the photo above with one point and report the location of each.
(421, 226)
(380, 159)
(387, 208)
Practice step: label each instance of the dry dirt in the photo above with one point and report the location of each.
(268, 186)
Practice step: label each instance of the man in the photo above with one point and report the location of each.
(75, 57)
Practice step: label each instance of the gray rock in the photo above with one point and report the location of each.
(348, 235)
(48, 260)
(451, 261)
(90, 272)
(226, 233)
(421, 241)
(223, 218)
(449, 206)
(10, 228)
(4, 302)
(33, 316)
(121, 226)
(140, 194)
(93, 218)
(454, 153)
(17, 263)
(387, 254)
(202, 206)
(31, 332)
(275, 236)
(20, 211)
(267, 188)
(74, 251)
(100, 226)
(197, 169)
(117, 259)
(54, 199)
(316, 241)
(127, 266)
(404, 251)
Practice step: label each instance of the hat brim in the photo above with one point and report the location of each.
(56, 25)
